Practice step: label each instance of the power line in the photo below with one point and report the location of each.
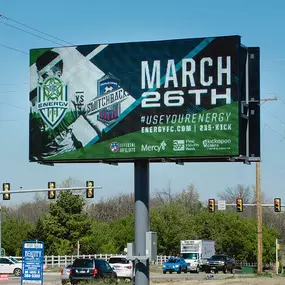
(14, 49)
(13, 84)
(273, 116)
(12, 91)
(273, 60)
(29, 33)
(274, 131)
(5, 121)
(14, 106)
(20, 23)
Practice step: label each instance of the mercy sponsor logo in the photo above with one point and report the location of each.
(157, 148)
(210, 143)
(178, 145)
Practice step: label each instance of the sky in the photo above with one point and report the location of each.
(259, 23)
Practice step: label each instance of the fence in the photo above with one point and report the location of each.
(58, 261)
(52, 261)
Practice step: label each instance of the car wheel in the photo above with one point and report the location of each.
(179, 271)
(17, 272)
(233, 271)
(164, 272)
(197, 270)
(186, 270)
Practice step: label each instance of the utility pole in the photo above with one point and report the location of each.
(0, 230)
(277, 261)
(259, 208)
(259, 219)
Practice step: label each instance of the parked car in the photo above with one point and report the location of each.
(122, 266)
(174, 264)
(87, 269)
(64, 274)
(8, 266)
(220, 262)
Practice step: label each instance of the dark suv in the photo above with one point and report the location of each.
(220, 262)
(85, 269)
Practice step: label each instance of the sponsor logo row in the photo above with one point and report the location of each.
(177, 145)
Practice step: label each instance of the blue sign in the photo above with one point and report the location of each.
(32, 262)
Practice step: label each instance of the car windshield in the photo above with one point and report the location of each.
(190, 255)
(172, 260)
(121, 260)
(83, 263)
(15, 260)
(217, 257)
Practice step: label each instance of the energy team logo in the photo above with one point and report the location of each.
(109, 99)
(52, 101)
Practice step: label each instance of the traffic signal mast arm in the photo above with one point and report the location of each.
(48, 189)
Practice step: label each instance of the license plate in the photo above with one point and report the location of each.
(82, 271)
(214, 267)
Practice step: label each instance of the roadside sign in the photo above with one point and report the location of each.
(33, 259)
(4, 277)
(221, 205)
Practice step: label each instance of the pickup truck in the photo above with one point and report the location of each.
(220, 262)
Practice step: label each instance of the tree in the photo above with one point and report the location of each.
(172, 224)
(112, 208)
(189, 199)
(64, 225)
(14, 232)
(232, 193)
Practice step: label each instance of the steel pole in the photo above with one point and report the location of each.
(141, 220)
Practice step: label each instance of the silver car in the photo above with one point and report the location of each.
(64, 272)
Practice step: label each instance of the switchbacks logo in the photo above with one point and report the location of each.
(108, 102)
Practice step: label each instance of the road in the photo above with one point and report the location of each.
(53, 278)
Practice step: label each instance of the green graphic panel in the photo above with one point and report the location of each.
(209, 133)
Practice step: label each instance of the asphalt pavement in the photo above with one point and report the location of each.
(53, 278)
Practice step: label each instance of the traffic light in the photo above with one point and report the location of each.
(277, 205)
(51, 193)
(239, 205)
(90, 191)
(211, 205)
(6, 187)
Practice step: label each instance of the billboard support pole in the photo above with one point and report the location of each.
(141, 183)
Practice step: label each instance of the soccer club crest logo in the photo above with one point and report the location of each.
(52, 100)
(107, 86)
(114, 146)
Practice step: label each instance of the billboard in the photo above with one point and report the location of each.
(177, 99)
